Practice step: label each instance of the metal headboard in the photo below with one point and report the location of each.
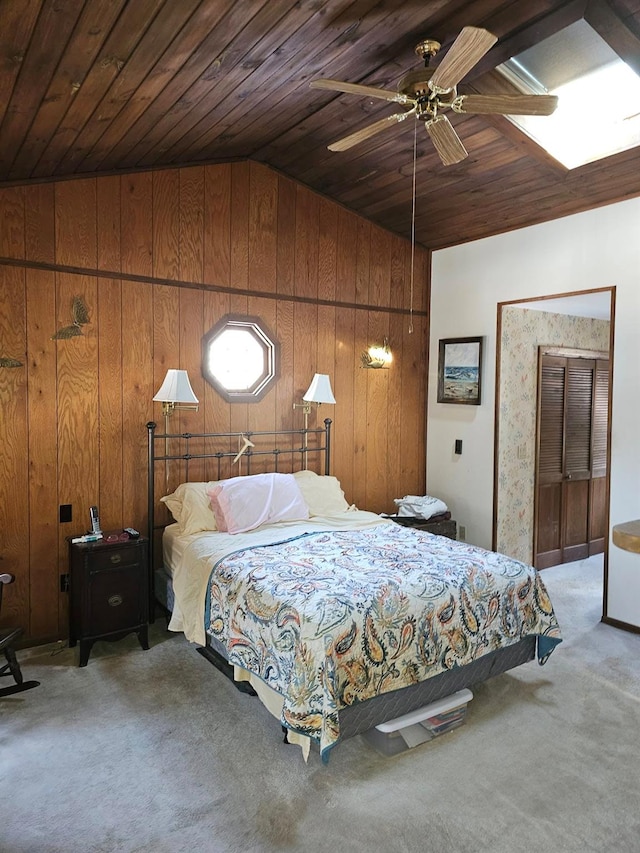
(185, 443)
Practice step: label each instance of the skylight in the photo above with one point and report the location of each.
(598, 110)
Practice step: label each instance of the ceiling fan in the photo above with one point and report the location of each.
(428, 92)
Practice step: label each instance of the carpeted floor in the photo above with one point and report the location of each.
(156, 751)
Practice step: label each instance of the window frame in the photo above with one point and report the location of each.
(271, 348)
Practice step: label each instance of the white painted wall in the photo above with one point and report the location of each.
(595, 249)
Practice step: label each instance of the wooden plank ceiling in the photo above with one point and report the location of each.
(102, 86)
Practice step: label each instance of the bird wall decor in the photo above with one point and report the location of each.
(80, 316)
(7, 361)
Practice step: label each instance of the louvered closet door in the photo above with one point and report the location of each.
(550, 471)
(577, 457)
(599, 439)
(571, 462)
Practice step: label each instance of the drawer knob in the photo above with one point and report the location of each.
(114, 600)
(116, 558)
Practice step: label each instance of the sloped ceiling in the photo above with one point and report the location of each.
(105, 86)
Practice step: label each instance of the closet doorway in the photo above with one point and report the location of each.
(562, 320)
(572, 480)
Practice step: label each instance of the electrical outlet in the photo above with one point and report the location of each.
(462, 532)
(65, 513)
(64, 582)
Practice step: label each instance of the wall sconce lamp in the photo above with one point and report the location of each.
(377, 356)
(175, 393)
(318, 392)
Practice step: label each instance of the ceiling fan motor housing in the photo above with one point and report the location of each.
(415, 84)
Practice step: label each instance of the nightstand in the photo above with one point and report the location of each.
(441, 528)
(108, 592)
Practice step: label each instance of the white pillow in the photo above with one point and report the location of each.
(323, 495)
(190, 507)
(244, 503)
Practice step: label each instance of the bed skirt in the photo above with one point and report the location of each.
(163, 588)
(363, 716)
(387, 706)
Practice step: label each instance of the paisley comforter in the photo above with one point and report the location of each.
(333, 618)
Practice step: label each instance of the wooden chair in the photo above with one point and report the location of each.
(8, 636)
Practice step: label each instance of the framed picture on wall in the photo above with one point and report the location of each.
(460, 371)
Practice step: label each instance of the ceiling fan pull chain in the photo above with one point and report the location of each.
(413, 222)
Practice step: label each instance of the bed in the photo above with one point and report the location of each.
(339, 619)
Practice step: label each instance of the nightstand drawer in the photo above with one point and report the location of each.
(114, 556)
(117, 600)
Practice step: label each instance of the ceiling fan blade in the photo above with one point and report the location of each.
(510, 105)
(446, 141)
(357, 89)
(366, 132)
(468, 49)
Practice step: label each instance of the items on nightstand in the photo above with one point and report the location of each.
(109, 590)
(420, 506)
(424, 512)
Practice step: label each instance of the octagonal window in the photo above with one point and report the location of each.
(239, 358)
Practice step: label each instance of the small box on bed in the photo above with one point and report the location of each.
(420, 726)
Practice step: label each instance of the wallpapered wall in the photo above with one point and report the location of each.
(523, 330)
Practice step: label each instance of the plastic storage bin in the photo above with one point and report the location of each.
(420, 726)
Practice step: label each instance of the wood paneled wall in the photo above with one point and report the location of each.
(158, 258)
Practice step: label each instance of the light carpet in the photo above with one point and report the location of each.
(156, 751)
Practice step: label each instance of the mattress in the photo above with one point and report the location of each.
(173, 550)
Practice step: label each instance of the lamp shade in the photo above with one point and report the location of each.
(320, 390)
(176, 388)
